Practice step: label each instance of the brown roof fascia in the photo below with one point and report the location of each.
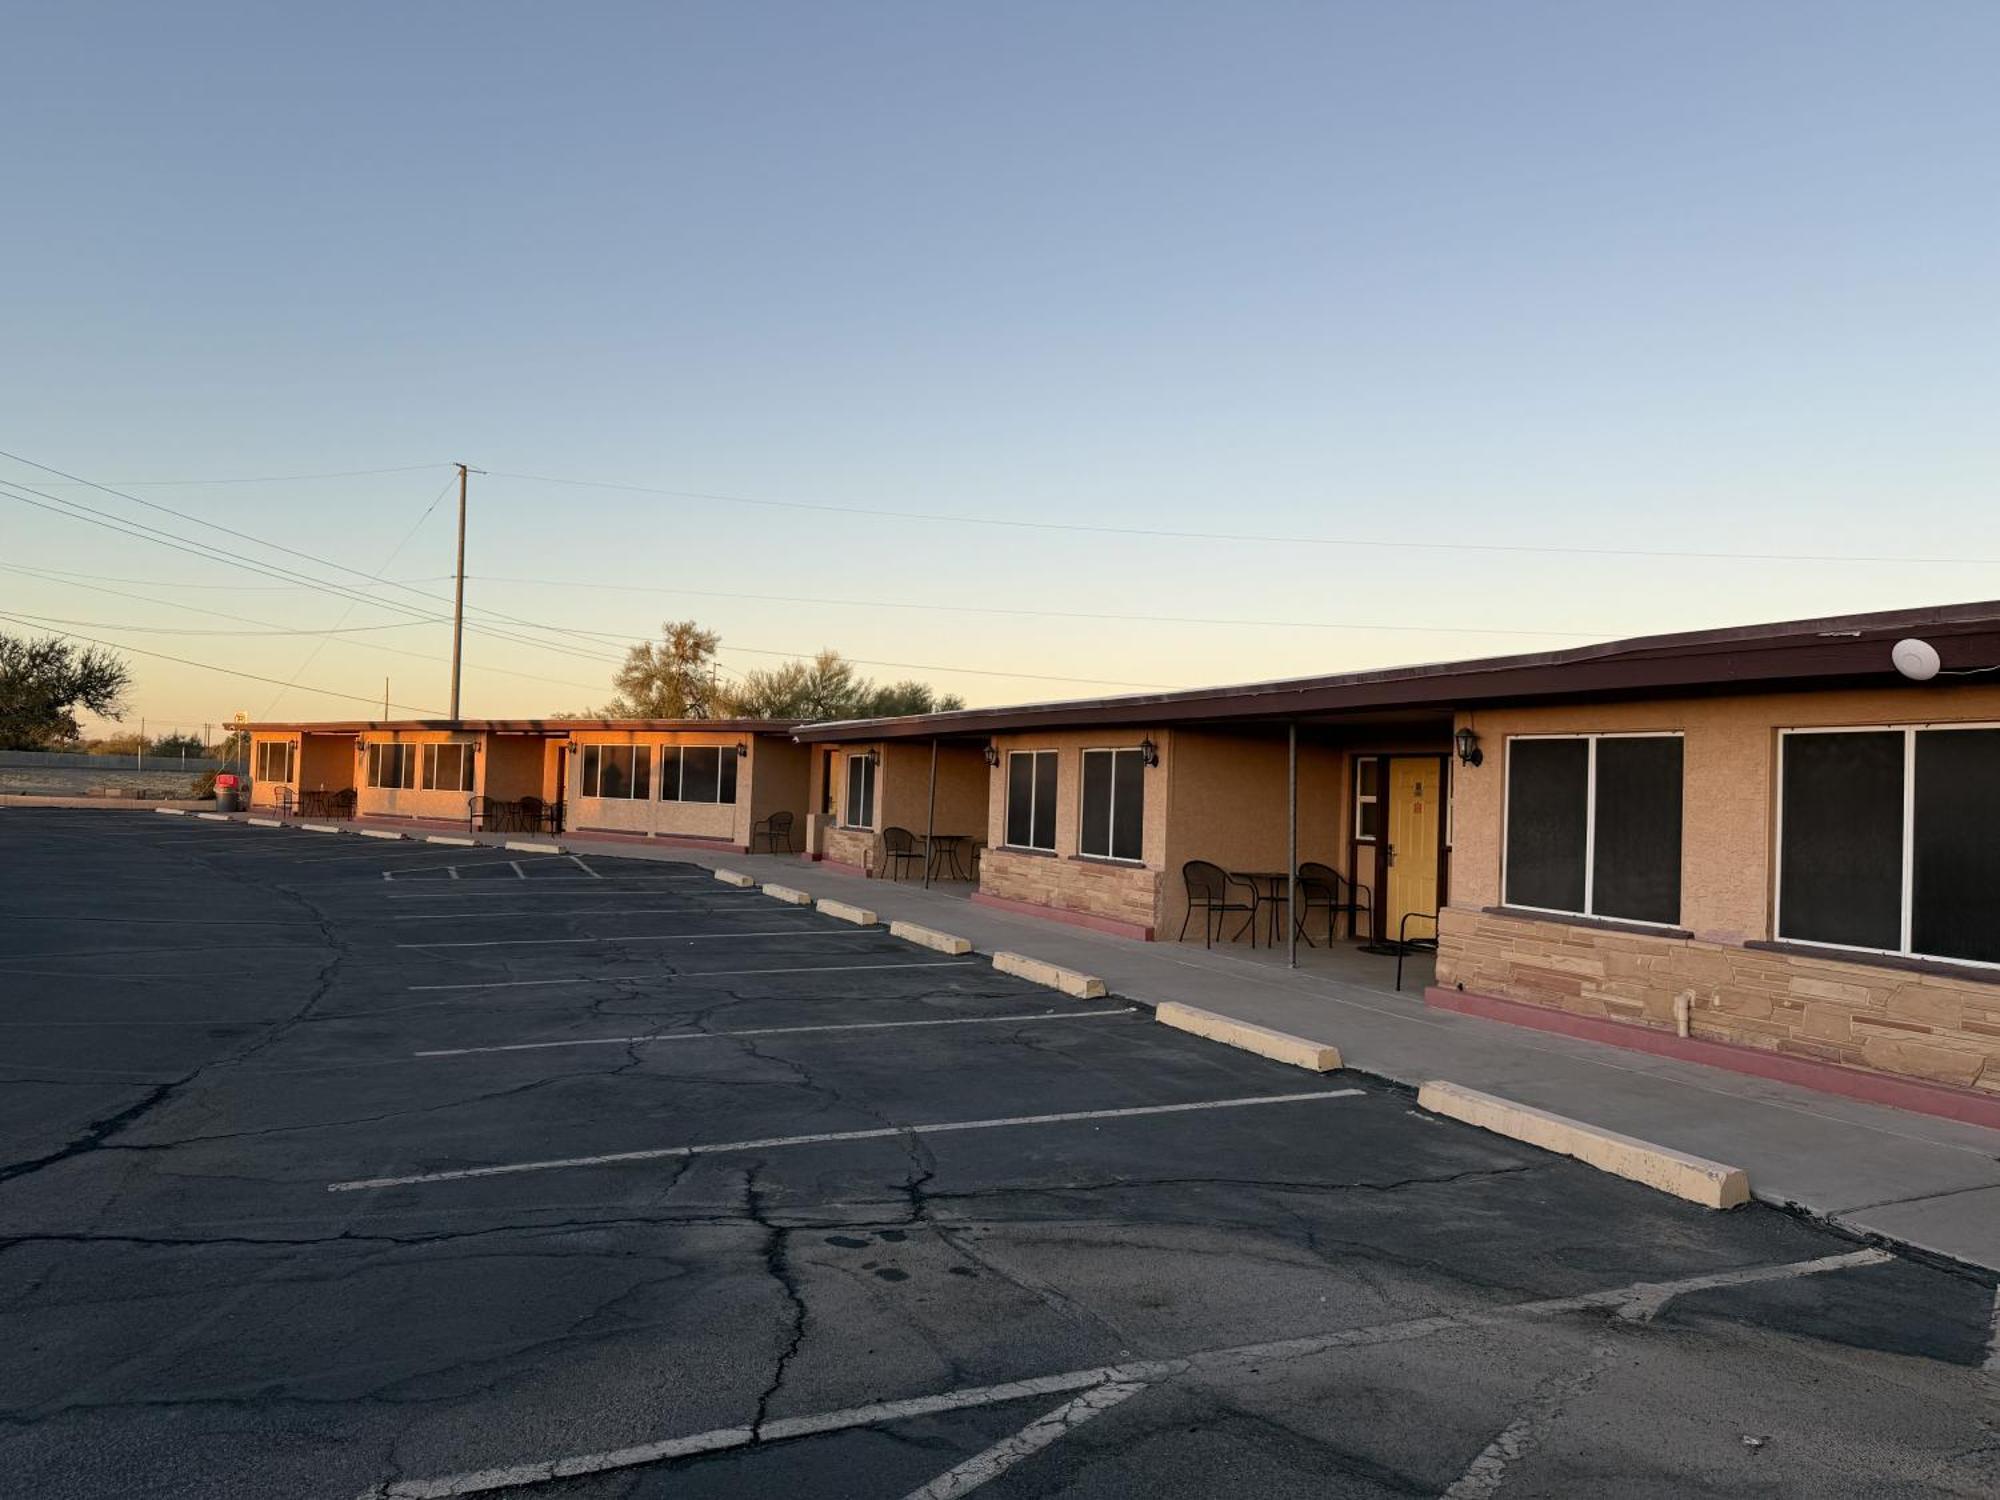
(551, 727)
(1836, 650)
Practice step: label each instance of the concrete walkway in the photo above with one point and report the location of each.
(1913, 1179)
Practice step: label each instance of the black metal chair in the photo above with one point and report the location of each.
(1208, 891)
(1323, 888)
(770, 830)
(901, 848)
(538, 816)
(1406, 945)
(496, 816)
(342, 804)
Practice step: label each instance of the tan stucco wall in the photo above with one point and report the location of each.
(1936, 1027)
(324, 762)
(414, 802)
(902, 795)
(729, 822)
(778, 771)
(1121, 891)
(512, 766)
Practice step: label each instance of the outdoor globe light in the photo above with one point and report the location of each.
(1469, 753)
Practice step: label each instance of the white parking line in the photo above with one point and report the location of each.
(713, 1036)
(577, 860)
(651, 937)
(516, 984)
(1993, 1342)
(587, 887)
(771, 1143)
(983, 1467)
(765, 913)
(1138, 1372)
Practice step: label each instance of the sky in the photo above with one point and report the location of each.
(1363, 333)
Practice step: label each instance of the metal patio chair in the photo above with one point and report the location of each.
(901, 848)
(1406, 945)
(770, 830)
(1208, 891)
(1323, 888)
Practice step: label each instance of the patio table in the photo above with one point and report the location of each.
(945, 846)
(1272, 887)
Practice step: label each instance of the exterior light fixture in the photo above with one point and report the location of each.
(1149, 753)
(360, 743)
(741, 749)
(1469, 753)
(992, 754)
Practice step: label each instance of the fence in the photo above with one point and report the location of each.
(60, 760)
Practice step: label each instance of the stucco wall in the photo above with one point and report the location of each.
(1933, 1026)
(727, 822)
(414, 801)
(902, 795)
(512, 767)
(778, 773)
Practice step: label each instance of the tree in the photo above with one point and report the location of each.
(907, 697)
(168, 745)
(43, 683)
(672, 680)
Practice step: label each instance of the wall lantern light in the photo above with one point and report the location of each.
(1469, 753)
(1149, 753)
(992, 754)
(741, 749)
(360, 744)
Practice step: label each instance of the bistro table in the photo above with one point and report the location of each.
(944, 847)
(1272, 887)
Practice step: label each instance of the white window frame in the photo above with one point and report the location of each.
(406, 766)
(632, 753)
(1007, 801)
(291, 749)
(872, 798)
(725, 754)
(1909, 732)
(1369, 799)
(427, 771)
(1111, 819)
(1589, 822)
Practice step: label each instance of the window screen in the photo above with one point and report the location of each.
(1842, 849)
(860, 791)
(1548, 816)
(1955, 828)
(1635, 869)
(701, 773)
(1114, 804)
(1031, 799)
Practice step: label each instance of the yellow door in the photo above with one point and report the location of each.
(1415, 806)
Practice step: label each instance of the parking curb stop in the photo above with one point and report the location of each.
(736, 878)
(1279, 1046)
(378, 833)
(860, 916)
(453, 839)
(929, 937)
(319, 827)
(1055, 976)
(265, 822)
(1695, 1178)
(788, 895)
(522, 846)
(172, 812)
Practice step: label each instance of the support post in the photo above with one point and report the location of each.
(1292, 845)
(457, 605)
(930, 821)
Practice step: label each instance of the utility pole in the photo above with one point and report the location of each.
(385, 696)
(457, 605)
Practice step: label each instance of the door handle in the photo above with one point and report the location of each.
(1389, 853)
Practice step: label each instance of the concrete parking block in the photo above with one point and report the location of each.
(929, 937)
(789, 895)
(264, 822)
(320, 827)
(736, 878)
(215, 817)
(524, 847)
(1694, 1178)
(1279, 1046)
(453, 839)
(172, 812)
(378, 833)
(1055, 976)
(860, 916)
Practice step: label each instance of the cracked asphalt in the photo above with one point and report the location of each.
(217, 1037)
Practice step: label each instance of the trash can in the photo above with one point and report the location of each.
(226, 797)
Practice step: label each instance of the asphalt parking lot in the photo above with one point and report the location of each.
(344, 1167)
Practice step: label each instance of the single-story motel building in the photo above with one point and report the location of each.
(1765, 847)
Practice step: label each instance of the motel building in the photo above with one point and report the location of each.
(720, 783)
(1765, 848)
(1767, 844)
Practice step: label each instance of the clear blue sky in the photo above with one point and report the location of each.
(1660, 277)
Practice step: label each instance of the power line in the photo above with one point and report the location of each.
(1260, 539)
(1053, 614)
(209, 666)
(266, 478)
(914, 666)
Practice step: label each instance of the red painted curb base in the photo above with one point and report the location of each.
(1939, 1099)
(1111, 925)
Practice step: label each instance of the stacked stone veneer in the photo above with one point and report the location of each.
(1931, 1027)
(1122, 893)
(850, 846)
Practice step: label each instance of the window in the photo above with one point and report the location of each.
(698, 773)
(447, 768)
(1114, 804)
(276, 760)
(618, 772)
(1594, 825)
(1031, 799)
(392, 765)
(1367, 799)
(1889, 840)
(860, 811)
(829, 767)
